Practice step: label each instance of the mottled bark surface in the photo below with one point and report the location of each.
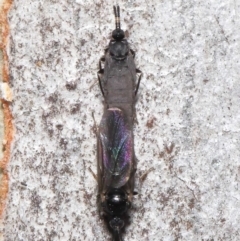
(6, 128)
(187, 111)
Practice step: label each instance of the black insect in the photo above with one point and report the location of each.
(116, 158)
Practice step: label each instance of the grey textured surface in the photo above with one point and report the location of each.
(187, 111)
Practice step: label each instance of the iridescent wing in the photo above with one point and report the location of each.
(116, 144)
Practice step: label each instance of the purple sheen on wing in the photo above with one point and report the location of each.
(117, 148)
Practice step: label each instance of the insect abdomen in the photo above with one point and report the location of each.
(120, 86)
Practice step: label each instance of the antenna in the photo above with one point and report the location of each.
(118, 33)
(117, 16)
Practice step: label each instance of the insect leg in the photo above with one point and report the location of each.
(93, 174)
(131, 183)
(139, 80)
(137, 71)
(100, 73)
(132, 52)
(95, 129)
(144, 176)
(102, 59)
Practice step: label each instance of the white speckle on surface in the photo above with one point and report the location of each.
(187, 111)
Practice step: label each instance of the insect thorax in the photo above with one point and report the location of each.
(119, 49)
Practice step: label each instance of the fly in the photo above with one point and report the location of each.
(116, 159)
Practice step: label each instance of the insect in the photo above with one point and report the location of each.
(116, 159)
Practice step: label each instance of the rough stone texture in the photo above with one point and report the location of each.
(187, 111)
